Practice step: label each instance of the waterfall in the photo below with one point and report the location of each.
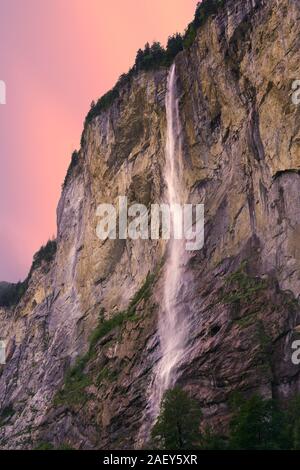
(172, 325)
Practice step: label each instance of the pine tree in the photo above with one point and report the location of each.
(177, 426)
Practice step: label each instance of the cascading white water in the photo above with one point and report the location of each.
(173, 325)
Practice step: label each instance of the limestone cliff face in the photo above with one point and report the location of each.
(83, 340)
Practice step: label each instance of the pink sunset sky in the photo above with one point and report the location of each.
(56, 56)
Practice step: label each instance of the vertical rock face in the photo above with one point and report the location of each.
(82, 342)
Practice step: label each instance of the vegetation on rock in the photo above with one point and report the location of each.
(77, 378)
(256, 424)
(43, 445)
(45, 254)
(154, 56)
(6, 414)
(240, 287)
(10, 293)
(177, 426)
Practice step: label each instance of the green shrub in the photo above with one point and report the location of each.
(212, 441)
(174, 46)
(65, 446)
(105, 327)
(106, 374)
(143, 293)
(190, 35)
(6, 414)
(44, 446)
(257, 424)
(205, 10)
(102, 104)
(76, 381)
(241, 287)
(151, 57)
(10, 293)
(46, 253)
(177, 426)
(293, 423)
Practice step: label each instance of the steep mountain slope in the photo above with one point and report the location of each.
(82, 342)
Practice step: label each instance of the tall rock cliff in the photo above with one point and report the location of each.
(82, 342)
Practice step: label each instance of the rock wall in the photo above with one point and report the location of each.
(82, 342)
